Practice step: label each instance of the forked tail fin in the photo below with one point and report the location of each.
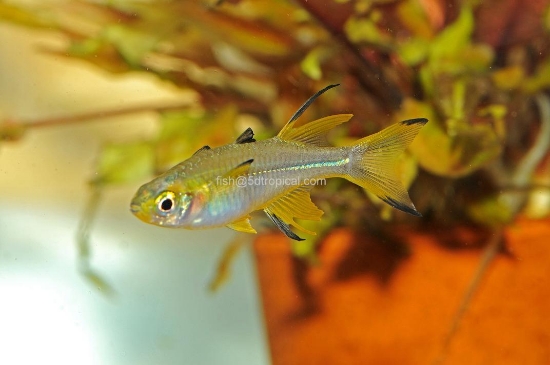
(373, 163)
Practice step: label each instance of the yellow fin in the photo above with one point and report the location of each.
(296, 204)
(303, 108)
(230, 178)
(373, 166)
(242, 225)
(313, 132)
(240, 170)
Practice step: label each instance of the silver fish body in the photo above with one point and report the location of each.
(223, 185)
(278, 167)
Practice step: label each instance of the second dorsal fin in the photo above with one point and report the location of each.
(303, 108)
(314, 132)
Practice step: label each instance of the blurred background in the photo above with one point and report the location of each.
(156, 308)
(98, 97)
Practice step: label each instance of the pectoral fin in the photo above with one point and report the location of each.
(233, 177)
(239, 170)
(296, 204)
(242, 225)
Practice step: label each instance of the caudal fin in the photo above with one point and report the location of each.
(373, 166)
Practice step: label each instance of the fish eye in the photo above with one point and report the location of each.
(166, 204)
(166, 201)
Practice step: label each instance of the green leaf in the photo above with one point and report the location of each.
(311, 64)
(361, 30)
(413, 51)
(122, 163)
(508, 78)
(490, 211)
(451, 53)
(132, 44)
(184, 132)
(540, 80)
(85, 47)
(454, 37)
(436, 151)
(412, 15)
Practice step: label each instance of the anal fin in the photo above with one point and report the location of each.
(296, 204)
(242, 225)
(285, 228)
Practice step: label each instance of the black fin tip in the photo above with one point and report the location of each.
(246, 137)
(415, 121)
(285, 228)
(308, 102)
(247, 162)
(397, 205)
(203, 148)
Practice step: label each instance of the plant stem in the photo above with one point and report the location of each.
(78, 118)
(370, 77)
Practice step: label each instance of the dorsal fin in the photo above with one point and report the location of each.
(296, 204)
(303, 108)
(315, 132)
(203, 148)
(246, 137)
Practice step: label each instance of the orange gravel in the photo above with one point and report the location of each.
(366, 306)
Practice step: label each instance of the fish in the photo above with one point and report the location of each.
(222, 186)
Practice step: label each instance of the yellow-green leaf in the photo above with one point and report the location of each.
(508, 78)
(413, 51)
(184, 132)
(454, 37)
(490, 211)
(122, 163)
(311, 64)
(469, 149)
(412, 15)
(540, 80)
(132, 44)
(365, 30)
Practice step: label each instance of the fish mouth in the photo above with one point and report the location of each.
(135, 208)
(140, 212)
